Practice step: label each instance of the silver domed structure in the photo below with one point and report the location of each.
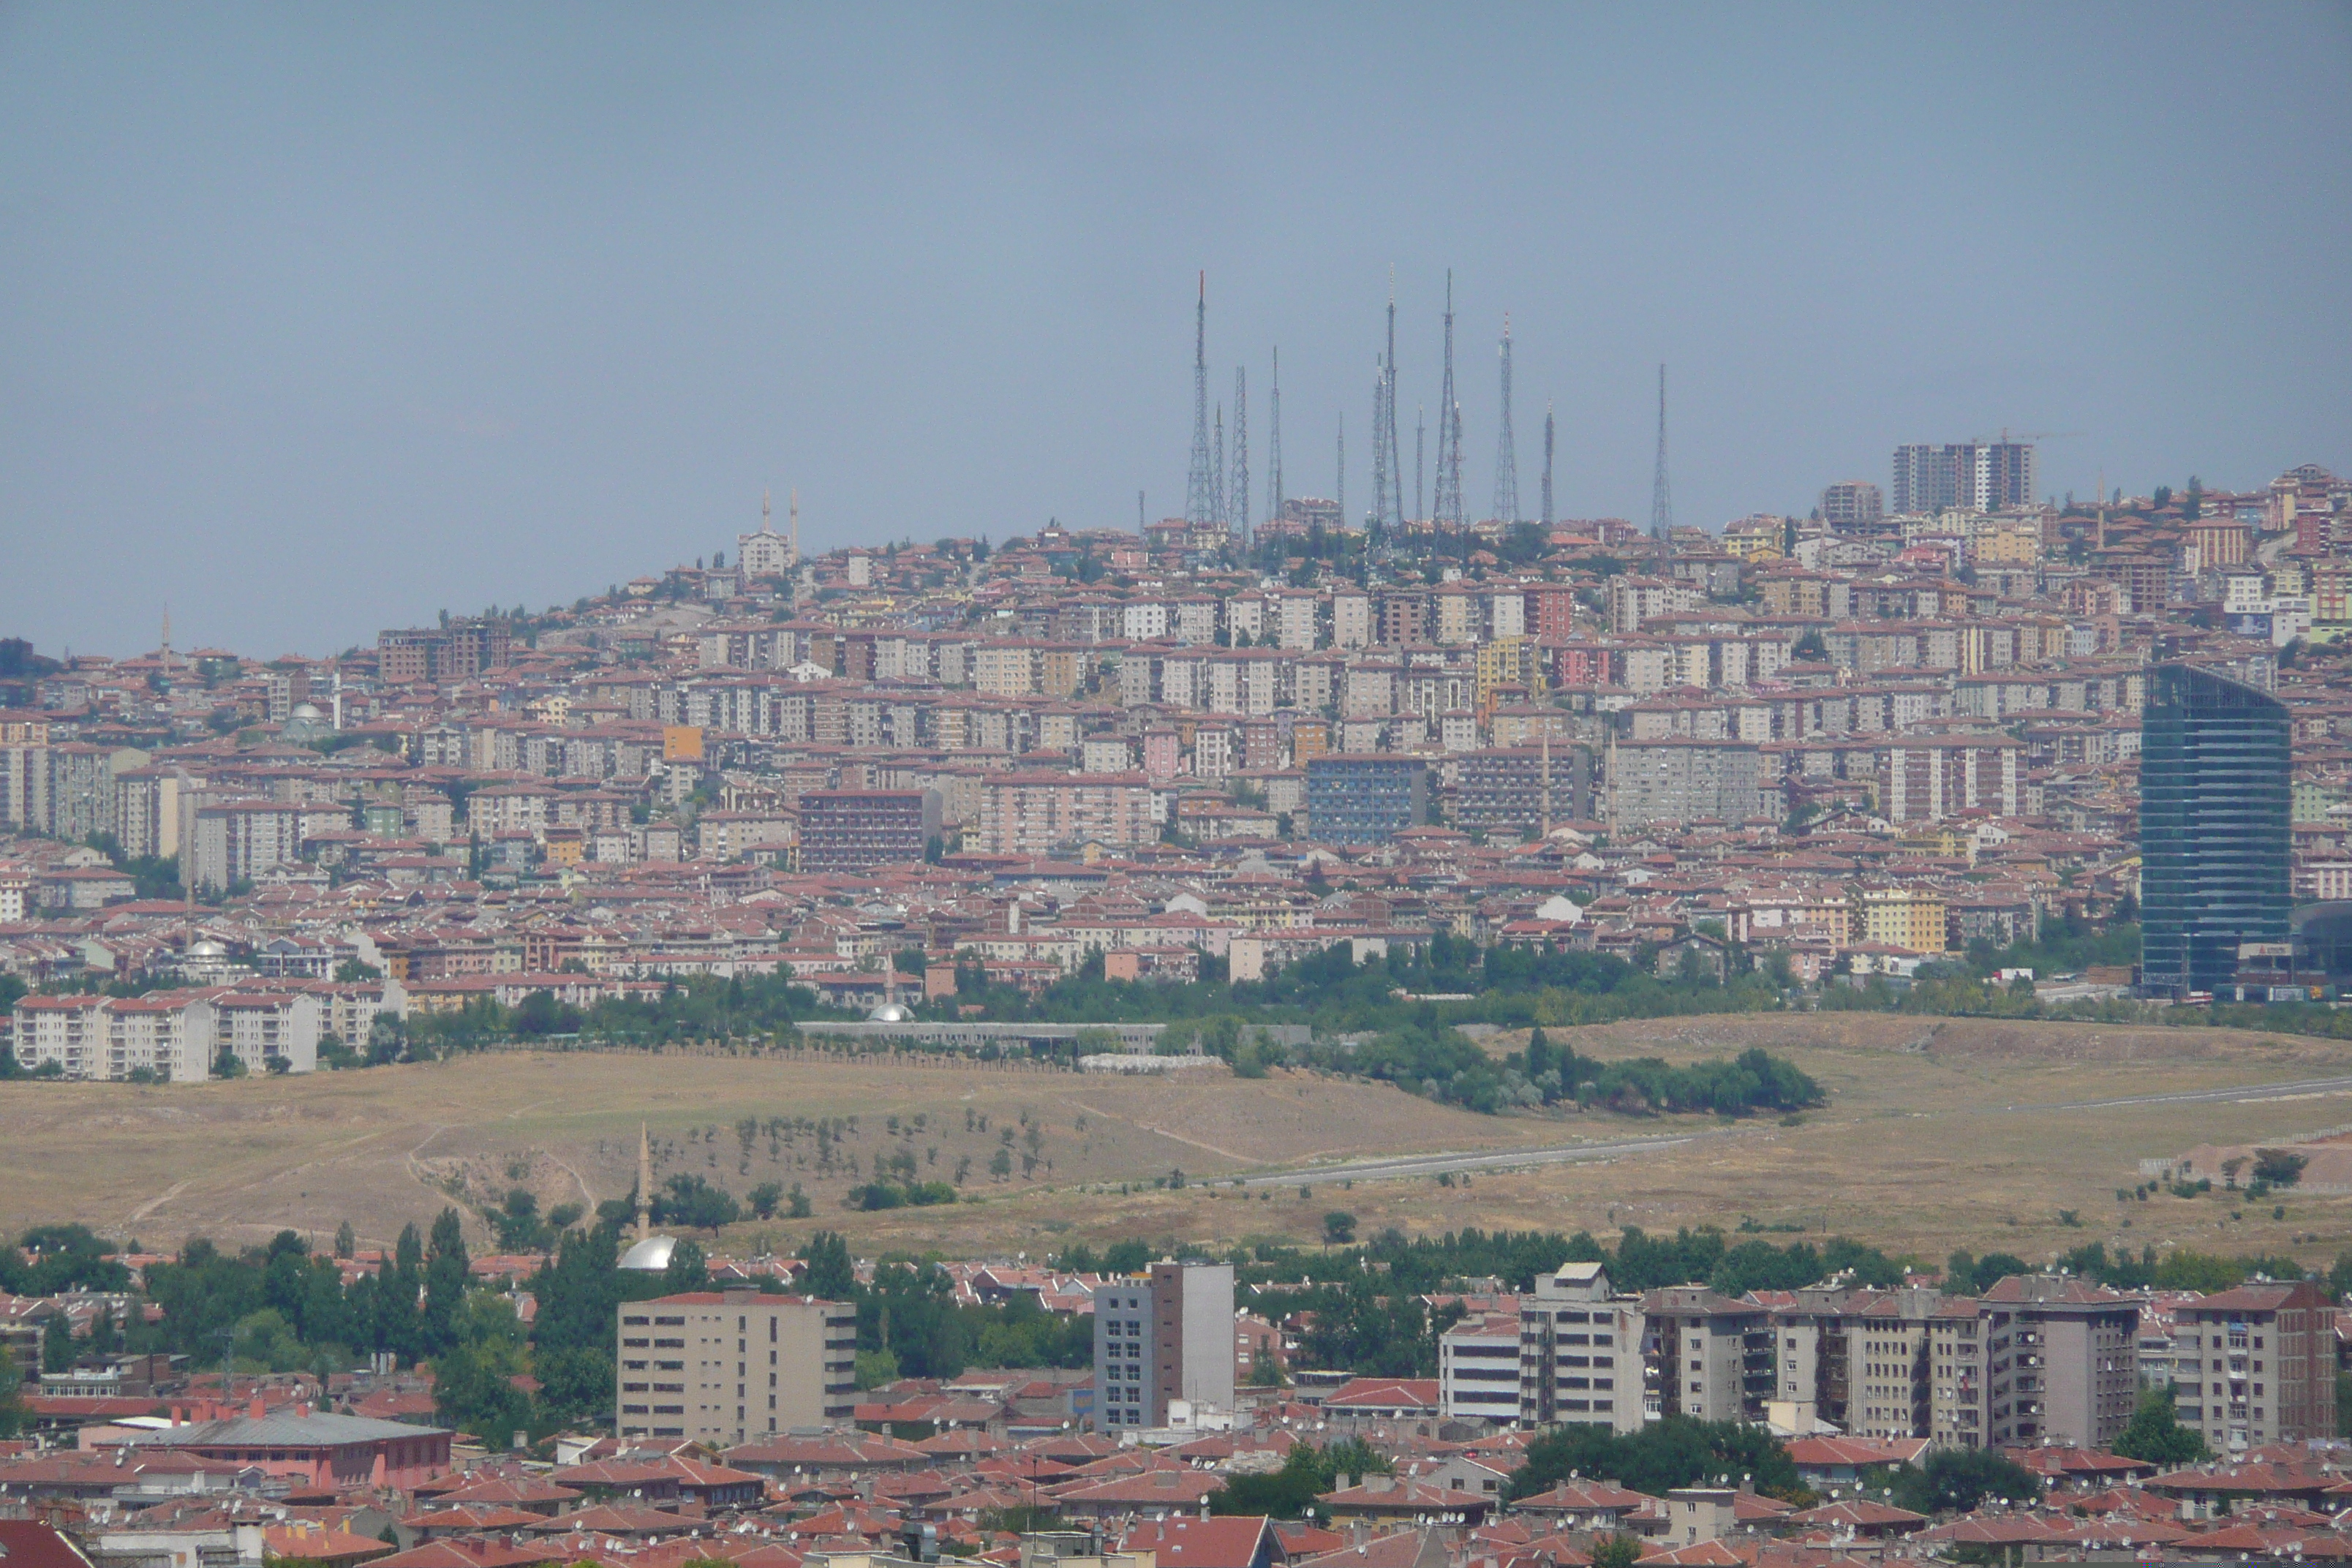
(891, 1013)
(306, 724)
(650, 1256)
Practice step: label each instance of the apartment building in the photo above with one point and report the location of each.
(177, 1035)
(1975, 476)
(1479, 1369)
(1633, 600)
(1928, 779)
(25, 783)
(1676, 780)
(1887, 1344)
(1714, 1356)
(2256, 1365)
(269, 1031)
(1910, 917)
(165, 1034)
(858, 829)
(1581, 1351)
(1040, 813)
(237, 841)
(2039, 1359)
(723, 1367)
(459, 650)
(1351, 619)
(1163, 1336)
(1852, 504)
(147, 812)
(1364, 798)
(68, 1032)
(1514, 791)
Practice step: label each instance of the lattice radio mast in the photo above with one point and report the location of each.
(1447, 510)
(1661, 495)
(1547, 477)
(1506, 458)
(1273, 496)
(1200, 488)
(1239, 493)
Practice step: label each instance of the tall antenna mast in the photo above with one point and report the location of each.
(1448, 509)
(1238, 496)
(1380, 451)
(1199, 498)
(1386, 431)
(1547, 478)
(1342, 497)
(1217, 472)
(1506, 457)
(1273, 496)
(1420, 442)
(1662, 496)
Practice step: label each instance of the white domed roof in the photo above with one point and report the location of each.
(305, 711)
(651, 1256)
(205, 947)
(891, 1013)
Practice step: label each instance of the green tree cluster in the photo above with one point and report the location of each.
(1307, 1473)
(1678, 1451)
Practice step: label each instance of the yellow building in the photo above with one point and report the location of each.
(2005, 539)
(1755, 538)
(1508, 661)
(1902, 917)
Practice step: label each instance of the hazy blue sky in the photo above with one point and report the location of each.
(321, 318)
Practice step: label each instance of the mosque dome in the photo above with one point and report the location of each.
(891, 1013)
(650, 1256)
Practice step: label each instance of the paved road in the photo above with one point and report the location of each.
(1490, 1159)
(1401, 1165)
(2238, 1094)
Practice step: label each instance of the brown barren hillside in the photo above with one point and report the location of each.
(1939, 1133)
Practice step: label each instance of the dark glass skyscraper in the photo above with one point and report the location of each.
(2214, 807)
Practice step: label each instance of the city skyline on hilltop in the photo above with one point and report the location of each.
(323, 324)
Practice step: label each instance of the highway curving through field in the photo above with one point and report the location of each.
(1400, 1167)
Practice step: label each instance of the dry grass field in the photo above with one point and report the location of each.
(1938, 1134)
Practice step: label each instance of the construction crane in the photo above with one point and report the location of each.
(2006, 437)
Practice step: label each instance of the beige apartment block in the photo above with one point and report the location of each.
(724, 1367)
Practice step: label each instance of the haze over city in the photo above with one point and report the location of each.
(725, 843)
(323, 320)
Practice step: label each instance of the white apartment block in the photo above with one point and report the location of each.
(237, 841)
(1479, 1369)
(1506, 615)
(167, 1035)
(177, 1035)
(1295, 616)
(1351, 620)
(262, 1027)
(1633, 600)
(1580, 1351)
